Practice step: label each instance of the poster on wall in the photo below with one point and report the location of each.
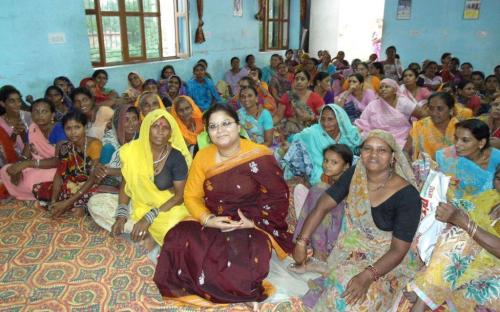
(238, 7)
(404, 10)
(471, 10)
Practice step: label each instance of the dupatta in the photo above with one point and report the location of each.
(189, 135)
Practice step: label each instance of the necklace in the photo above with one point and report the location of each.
(84, 157)
(157, 163)
(383, 184)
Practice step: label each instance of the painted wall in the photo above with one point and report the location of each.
(436, 27)
(30, 62)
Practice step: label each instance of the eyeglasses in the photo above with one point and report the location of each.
(378, 151)
(226, 124)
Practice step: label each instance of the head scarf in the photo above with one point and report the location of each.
(138, 101)
(189, 135)
(392, 83)
(139, 151)
(118, 122)
(131, 91)
(99, 95)
(316, 139)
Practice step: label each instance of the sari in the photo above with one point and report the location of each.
(103, 116)
(281, 85)
(467, 178)
(381, 115)
(256, 127)
(313, 140)
(355, 107)
(40, 149)
(371, 83)
(138, 105)
(426, 138)
(18, 144)
(494, 132)
(189, 135)
(361, 243)
(198, 263)
(8, 153)
(75, 168)
(99, 95)
(266, 100)
(420, 97)
(460, 272)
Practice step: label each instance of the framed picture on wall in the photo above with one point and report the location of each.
(238, 7)
(471, 9)
(404, 10)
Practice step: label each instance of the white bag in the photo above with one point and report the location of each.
(433, 192)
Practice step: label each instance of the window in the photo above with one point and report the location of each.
(274, 28)
(131, 31)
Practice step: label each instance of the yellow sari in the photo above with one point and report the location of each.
(137, 170)
(428, 139)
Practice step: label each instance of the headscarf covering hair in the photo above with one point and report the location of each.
(99, 95)
(131, 91)
(189, 135)
(118, 122)
(392, 83)
(147, 93)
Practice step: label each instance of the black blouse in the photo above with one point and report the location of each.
(175, 169)
(400, 213)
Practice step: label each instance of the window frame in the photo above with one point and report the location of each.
(122, 14)
(281, 21)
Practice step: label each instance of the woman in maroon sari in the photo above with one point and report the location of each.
(238, 199)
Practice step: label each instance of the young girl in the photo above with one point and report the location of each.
(337, 159)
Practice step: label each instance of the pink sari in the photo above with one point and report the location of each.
(380, 115)
(420, 98)
(40, 149)
(368, 96)
(19, 145)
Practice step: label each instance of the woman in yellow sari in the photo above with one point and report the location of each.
(464, 270)
(435, 132)
(154, 170)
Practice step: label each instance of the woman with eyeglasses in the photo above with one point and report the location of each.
(238, 199)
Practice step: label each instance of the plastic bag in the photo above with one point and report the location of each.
(433, 192)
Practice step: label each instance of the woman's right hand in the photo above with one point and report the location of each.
(118, 226)
(224, 224)
(300, 253)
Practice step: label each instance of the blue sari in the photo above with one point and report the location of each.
(467, 177)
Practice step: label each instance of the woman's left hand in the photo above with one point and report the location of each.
(357, 288)
(140, 230)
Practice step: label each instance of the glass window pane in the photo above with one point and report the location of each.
(181, 6)
(286, 3)
(112, 39)
(274, 8)
(168, 28)
(285, 35)
(273, 33)
(149, 5)
(109, 5)
(93, 38)
(89, 4)
(132, 5)
(152, 37)
(134, 36)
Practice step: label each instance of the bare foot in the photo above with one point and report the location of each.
(148, 243)
(312, 265)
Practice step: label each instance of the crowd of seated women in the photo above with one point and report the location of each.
(317, 159)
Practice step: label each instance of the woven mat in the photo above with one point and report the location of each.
(72, 264)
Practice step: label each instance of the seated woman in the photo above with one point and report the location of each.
(466, 95)
(100, 98)
(74, 182)
(355, 99)
(189, 118)
(135, 83)
(55, 96)
(100, 77)
(471, 161)
(464, 270)
(40, 165)
(434, 132)
(148, 102)
(67, 87)
(321, 85)
(236, 225)
(97, 117)
(173, 89)
(154, 169)
(304, 157)
(390, 112)
(337, 159)
(255, 119)
(372, 260)
(369, 81)
(411, 90)
(13, 120)
(300, 107)
(281, 83)
(429, 76)
(201, 89)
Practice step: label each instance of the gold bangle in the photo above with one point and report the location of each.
(210, 216)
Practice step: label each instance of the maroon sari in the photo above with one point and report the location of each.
(229, 267)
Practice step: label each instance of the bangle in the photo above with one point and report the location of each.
(151, 215)
(210, 216)
(472, 231)
(373, 271)
(38, 163)
(122, 211)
